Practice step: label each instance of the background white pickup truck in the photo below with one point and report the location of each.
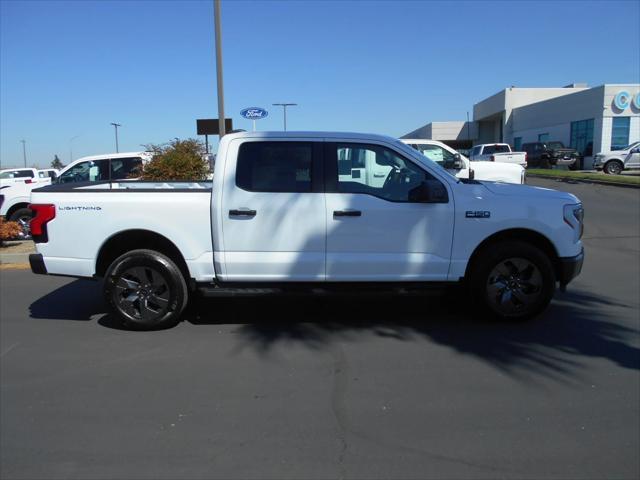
(498, 152)
(459, 165)
(282, 214)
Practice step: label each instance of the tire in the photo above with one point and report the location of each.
(613, 167)
(145, 290)
(23, 216)
(512, 280)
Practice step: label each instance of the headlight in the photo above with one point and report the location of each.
(574, 217)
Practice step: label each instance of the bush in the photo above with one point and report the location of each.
(9, 230)
(177, 160)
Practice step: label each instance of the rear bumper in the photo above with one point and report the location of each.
(37, 264)
(570, 268)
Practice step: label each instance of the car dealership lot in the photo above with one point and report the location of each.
(361, 387)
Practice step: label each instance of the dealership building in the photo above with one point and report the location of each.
(591, 120)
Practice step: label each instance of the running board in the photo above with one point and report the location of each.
(336, 288)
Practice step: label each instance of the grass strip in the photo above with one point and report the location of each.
(598, 177)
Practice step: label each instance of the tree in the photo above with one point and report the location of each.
(176, 160)
(57, 164)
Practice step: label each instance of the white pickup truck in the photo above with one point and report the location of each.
(280, 215)
(498, 152)
(459, 166)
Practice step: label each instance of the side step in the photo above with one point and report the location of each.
(333, 289)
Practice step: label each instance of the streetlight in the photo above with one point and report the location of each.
(24, 151)
(116, 125)
(218, 36)
(71, 148)
(284, 111)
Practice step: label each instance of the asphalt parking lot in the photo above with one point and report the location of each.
(332, 387)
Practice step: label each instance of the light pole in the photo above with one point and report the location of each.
(24, 151)
(284, 111)
(116, 125)
(218, 37)
(71, 148)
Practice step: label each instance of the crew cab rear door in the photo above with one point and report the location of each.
(273, 211)
(397, 229)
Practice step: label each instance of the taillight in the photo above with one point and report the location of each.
(28, 180)
(43, 213)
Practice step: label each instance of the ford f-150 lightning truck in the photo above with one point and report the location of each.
(282, 213)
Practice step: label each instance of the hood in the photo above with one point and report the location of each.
(512, 190)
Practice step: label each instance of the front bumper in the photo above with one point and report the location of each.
(564, 162)
(569, 268)
(37, 264)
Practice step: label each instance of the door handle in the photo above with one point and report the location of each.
(242, 213)
(347, 213)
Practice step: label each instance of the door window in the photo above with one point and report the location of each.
(90, 171)
(274, 167)
(387, 175)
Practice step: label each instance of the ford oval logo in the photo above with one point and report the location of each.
(254, 113)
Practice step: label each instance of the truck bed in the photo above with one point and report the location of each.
(180, 211)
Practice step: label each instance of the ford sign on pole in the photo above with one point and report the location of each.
(253, 114)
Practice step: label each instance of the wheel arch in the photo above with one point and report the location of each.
(127, 240)
(517, 234)
(15, 207)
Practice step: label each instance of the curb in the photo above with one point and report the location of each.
(14, 258)
(583, 180)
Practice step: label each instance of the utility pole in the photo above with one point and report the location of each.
(24, 151)
(218, 38)
(116, 125)
(284, 111)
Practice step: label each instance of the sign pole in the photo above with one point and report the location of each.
(206, 143)
(254, 125)
(216, 15)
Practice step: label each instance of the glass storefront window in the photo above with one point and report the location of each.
(620, 132)
(582, 135)
(517, 143)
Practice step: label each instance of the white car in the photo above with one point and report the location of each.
(15, 205)
(458, 165)
(280, 215)
(498, 152)
(51, 173)
(614, 162)
(12, 176)
(110, 166)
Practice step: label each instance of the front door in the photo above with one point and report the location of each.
(273, 218)
(397, 229)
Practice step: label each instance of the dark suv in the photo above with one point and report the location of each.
(547, 154)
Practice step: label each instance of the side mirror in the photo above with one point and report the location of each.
(429, 191)
(455, 163)
(636, 150)
(472, 174)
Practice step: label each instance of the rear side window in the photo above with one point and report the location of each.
(122, 168)
(274, 167)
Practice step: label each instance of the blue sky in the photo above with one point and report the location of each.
(69, 68)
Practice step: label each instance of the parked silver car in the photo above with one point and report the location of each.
(614, 162)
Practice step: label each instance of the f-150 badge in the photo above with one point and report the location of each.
(477, 214)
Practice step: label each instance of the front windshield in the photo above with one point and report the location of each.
(628, 147)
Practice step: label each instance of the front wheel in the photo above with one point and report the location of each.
(613, 167)
(512, 280)
(146, 290)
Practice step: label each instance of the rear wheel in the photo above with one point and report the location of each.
(23, 216)
(512, 280)
(146, 290)
(613, 167)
